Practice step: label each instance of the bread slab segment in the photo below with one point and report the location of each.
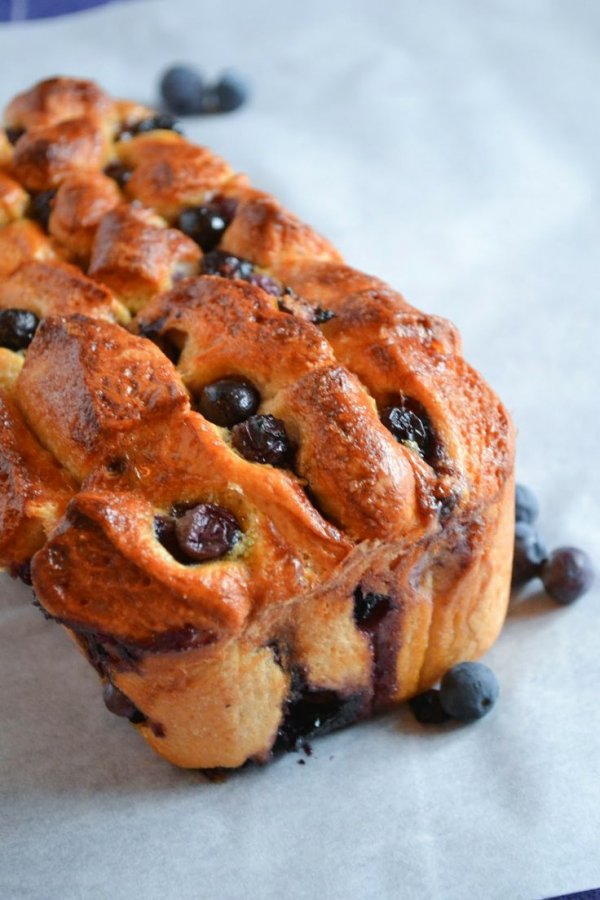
(363, 571)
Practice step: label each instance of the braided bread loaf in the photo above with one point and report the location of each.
(263, 494)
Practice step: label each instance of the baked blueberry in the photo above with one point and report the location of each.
(164, 530)
(24, 573)
(169, 342)
(231, 92)
(13, 134)
(119, 173)
(530, 553)
(567, 574)
(370, 608)
(219, 262)
(427, 708)
(158, 122)
(321, 315)
(526, 505)
(468, 691)
(309, 712)
(40, 207)
(181, 88)
(263, 439)
(409, 423)
(228, 401)
(207, 224)
(206, 532)
(266, 283)
(119, 704)
(17, 328)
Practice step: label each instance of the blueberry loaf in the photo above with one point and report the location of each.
(263, 494)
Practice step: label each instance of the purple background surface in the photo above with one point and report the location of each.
(20, 10)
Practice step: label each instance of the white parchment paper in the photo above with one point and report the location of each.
(451, 147)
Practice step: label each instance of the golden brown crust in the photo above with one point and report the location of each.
(57, 100)
(137, 257)
(170, 174)
(57, 288)
(81, 201)
(35, 491)
(363, 570)
(44, 156)
(13, 200)
(21, 242)
(270, 236)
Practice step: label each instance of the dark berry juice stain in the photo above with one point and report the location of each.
(105, 652)
(378, 616)
(310, 712)
(276, 650)
(119, 704)
(370, 608)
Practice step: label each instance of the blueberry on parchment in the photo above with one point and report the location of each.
(468, 691)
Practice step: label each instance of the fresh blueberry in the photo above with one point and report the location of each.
(228, 401)
(231, 92)
(206, 532)
(17, 328)
(526, 505)
(40, 207)
(263, 439)
(530, 553)
(207, 224)
(409, 423)
(427, 708)
(468, 691)
(567, 574)
(181, 88)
